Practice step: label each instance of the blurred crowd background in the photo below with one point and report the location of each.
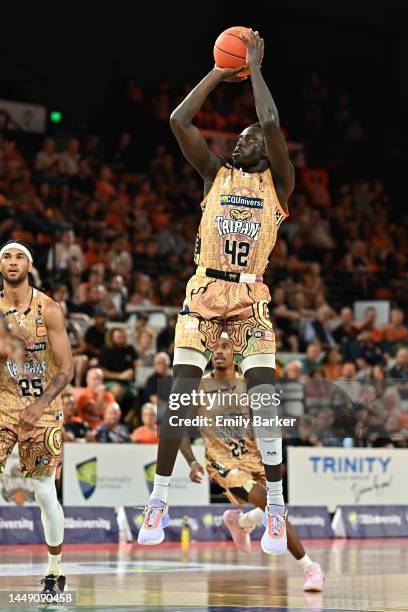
(112, 221)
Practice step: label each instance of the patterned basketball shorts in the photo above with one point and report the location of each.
(40, 450)
(213, 306)
(237, 478)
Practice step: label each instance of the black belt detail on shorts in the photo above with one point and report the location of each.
(232, 277)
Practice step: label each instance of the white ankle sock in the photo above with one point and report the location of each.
(274, 493)
(160, 488)
(251, 518)
(54, 565)
(305, 561)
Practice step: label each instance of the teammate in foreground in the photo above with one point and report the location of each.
(243, 207)
(35, 366)
(234, 463)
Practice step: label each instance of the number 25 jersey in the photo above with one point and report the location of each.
(26, 374)
(240, 221)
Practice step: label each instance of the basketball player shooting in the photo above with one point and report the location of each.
(244, 204)
(35, 366)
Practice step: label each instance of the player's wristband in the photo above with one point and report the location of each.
(193, 462)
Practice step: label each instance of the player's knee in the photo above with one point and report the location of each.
(45, 491)
(255, 377)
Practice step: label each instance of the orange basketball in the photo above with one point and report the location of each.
(230, 50)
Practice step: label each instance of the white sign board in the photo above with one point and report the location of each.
(122, 475)
(22, 116)
(347, 476)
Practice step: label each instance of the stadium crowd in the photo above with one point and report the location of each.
(113, 237)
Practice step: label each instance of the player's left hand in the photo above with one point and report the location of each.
(255, 48)
(30, 415)
(196, 472)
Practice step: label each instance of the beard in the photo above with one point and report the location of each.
(15, 281)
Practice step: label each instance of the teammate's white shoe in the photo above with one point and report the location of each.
(314, 578)
(274, 540)
(240, 535)
(156, 517)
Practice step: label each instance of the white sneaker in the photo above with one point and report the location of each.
(274, 540)
(156, 517)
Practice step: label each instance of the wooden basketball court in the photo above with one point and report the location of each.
(366, 575)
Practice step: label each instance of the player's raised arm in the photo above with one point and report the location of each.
(281, 167)
(189, 137)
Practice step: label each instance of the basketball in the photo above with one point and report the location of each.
(230, 50)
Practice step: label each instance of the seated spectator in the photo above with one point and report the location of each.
(66, 259)
(165, 338)
(94, 398)
(332, 364)
(148, 432)
(47, 159)
(345, 330)
(97, 296)
(396, 331)
(347, 382)
(145, 347)
(95, 334)
(317, 390)
(291, 390)
(319, 328)
(119, 258)
(69, 159)
(118, 294)
(158, 385)
(375, 333)
(399, 372)
(366, 352)
(312, 360)
(304, 434)
(119, 362)
(111, 430)
(73, 427)
(323, 427)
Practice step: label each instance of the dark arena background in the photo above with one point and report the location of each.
(92, 178)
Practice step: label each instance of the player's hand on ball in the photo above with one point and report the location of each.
(255, 48)
(230, 74)
(196, 472)
(30, 415)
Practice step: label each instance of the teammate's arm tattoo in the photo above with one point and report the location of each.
(61, 348)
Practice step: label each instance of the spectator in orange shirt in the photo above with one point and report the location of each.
(94, 398)
(73, 426)
(396, 331)
(332, 364)
(148, 432)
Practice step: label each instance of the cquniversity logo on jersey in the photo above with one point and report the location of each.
(240, 200)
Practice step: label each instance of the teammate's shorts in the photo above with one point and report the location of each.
(40, 449)
(213, 306)
(236, 478)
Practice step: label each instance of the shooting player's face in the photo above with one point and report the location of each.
(223, 357)
(250, 147)
(15, 266)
